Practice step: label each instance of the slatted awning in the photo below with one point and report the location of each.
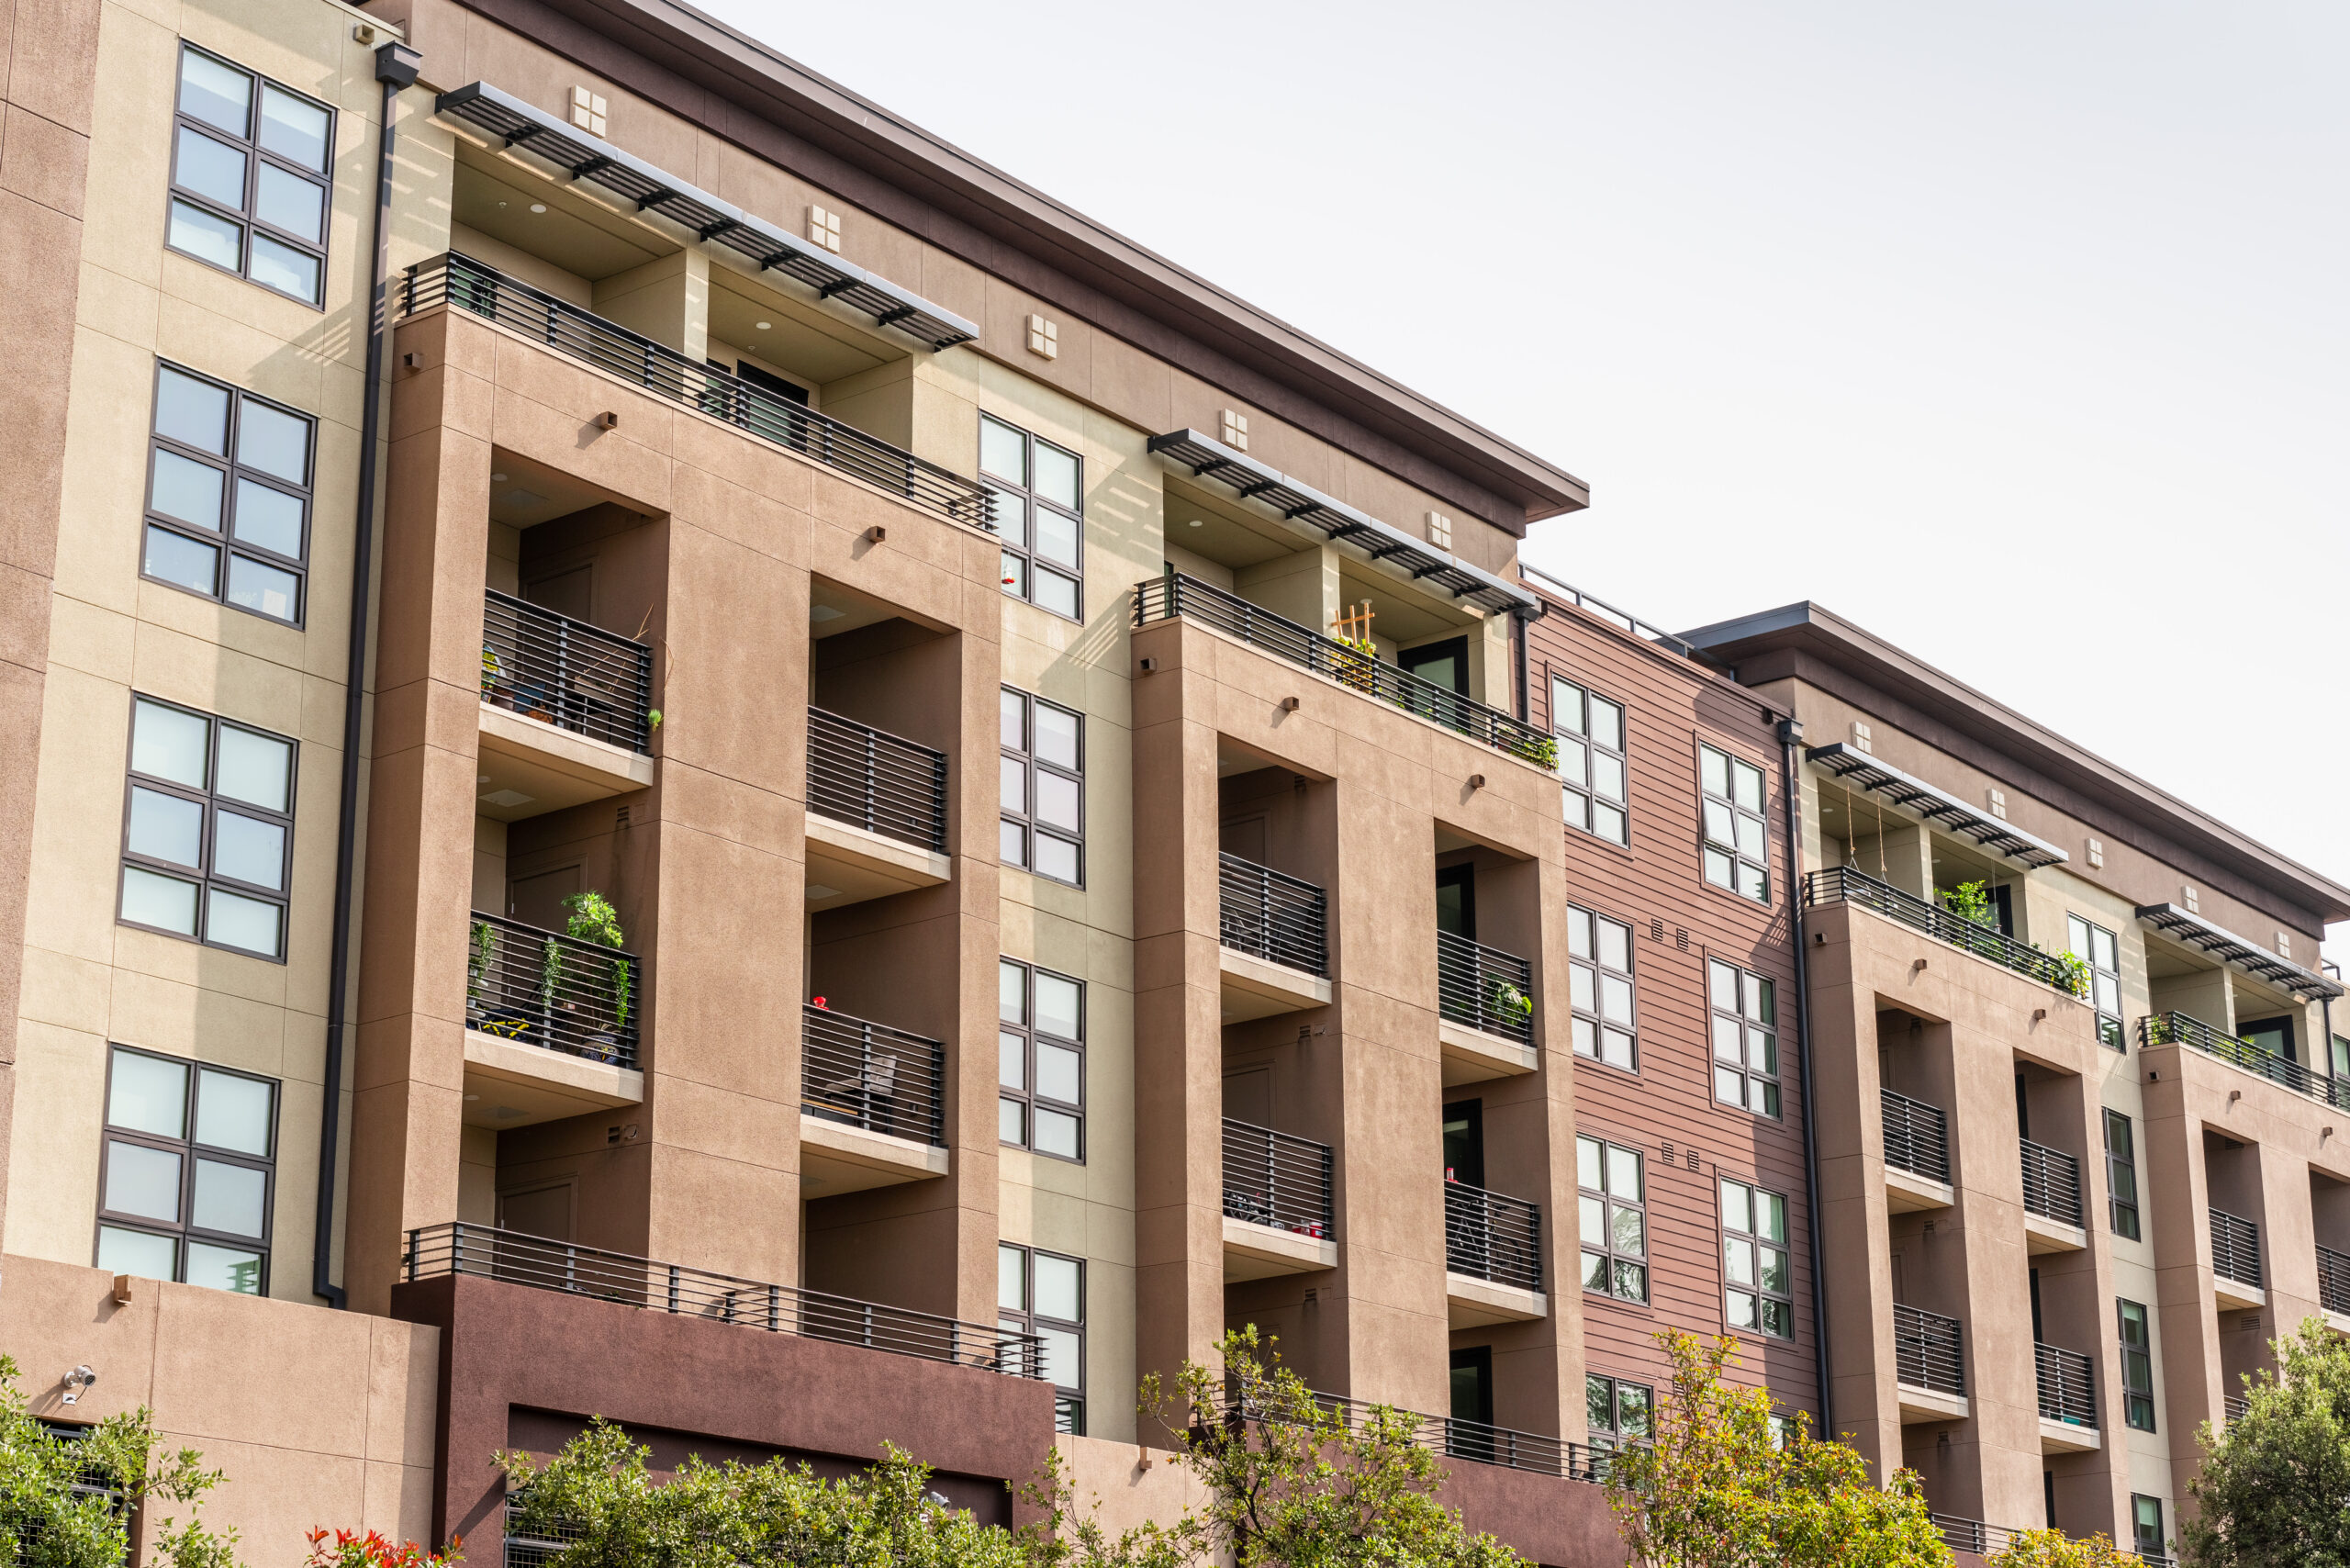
(1944, 810)
(2194, 931)
(583, 157)
(1209, 459)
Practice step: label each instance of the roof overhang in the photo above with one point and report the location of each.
(2194, 931)
(514, 123)
(1302, 507)
(1938, 807)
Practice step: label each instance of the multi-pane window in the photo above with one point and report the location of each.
(1591, 761)
(1615, 1219)
(229, 481)
(1042, 779)
(2137, 1365)
(1617, 1412)
(1600, 968)
(2122, 1174)
(1042, 1294)
(1040, 1075)
(1738, 840)
(1039, 491)
(2146, 1527)
(185, 1177)
(251, 170)
(208, 829)
(1758, 1285)
(2095, 946)
(1746, 1037)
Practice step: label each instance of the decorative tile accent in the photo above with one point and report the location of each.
(1439, 531)
(1861, 741)
(588, 111)
(1043, 338)
(1236, 430)
(2097, 855)
(1999, 805)
(824, 227)
(2188, 892)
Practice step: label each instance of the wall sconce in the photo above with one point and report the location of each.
(2038, 1013)
(1917, 964)
(1476, 782)
(875, 534)
(1289, 704)
(1149, 664)
(608, 420)
(77, 1382)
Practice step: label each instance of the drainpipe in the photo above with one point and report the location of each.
(1518, 629)
(396, 67)
(1790, 737)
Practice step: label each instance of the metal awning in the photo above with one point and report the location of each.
(583, 157)
(1944, 810)
(2194, 931)
(1340, 523)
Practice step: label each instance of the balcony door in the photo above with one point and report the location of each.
(571, 594)
(1456, 900)
(1444, 664)
(2272, 1035)
(1464, 1142)
(538, 899)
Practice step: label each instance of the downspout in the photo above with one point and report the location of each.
(1519, 628)
(1790, 737)
(396, 67)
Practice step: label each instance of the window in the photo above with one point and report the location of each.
(1591, 761)
(1783, 1431)
(1615, 1220)
(1759, 1286)
(1737, 841)
(2146, 1526)
(2137, 1365)
(1040, 1075)
(186, 1172)
(250, 174)
(1746, 1038)
(1617, 1412)
(2095, 946)
(1043, 784)
(207, 829)
(1600, 966)
(2122, 1174)
(226, 475)
(1043, 1293)
(1039, 514)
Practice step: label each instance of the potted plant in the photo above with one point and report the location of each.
(592, 919)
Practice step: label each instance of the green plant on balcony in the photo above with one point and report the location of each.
(594, 920)
(1507, 1001)
(1542, 751)
(485, 944)
(1969, 901)
(2073, 974)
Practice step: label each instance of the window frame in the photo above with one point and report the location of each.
(2137, 1393)
(1068, 1403)
(2137, 1525)
(1732, 1235)
(248, 219)
(1027, 1095)
(1586, 792)
(1031, 764)
(1029, 499)
(2079, 933)
(211, 802)
(1732, 853)
(2117, 1167)
(1590, 1020)
(1771, 1082)
(1613, 1259)
(226, 541)
(189, 1150)
(1616, 1434)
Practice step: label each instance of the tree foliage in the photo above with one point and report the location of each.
(2055, 1548)
(2274, 1490)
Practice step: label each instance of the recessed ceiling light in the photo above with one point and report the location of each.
(501, 203)
(538, 207)
(763, 326)
(497, 479)
(1197, 523)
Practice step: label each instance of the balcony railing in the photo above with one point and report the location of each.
(542, 987)
(1165, 598)
(1484, 988)
(1275, 1179)
(2051, 1183)
(2184, 1029)
(873, 779)
(1475, 1441)
(1974, 1535)
(2235, 1248)
(2333, 1278)
(545, 1264)
(1489, 1235)
(564, 672)
(2234, 1406)
(2067, 1386)
(868, 1075)
(1927, 1352)
(456, 279)
(1917, 1136)
(1268, 915)
(1843, 884)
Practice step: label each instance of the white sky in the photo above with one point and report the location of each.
(2015, 331)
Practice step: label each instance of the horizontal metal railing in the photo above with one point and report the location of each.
(564, 672)
(1843, 884)
(2333, 1278)
(1484, 988)
(2051, 1183)
(542, 987)
(456, 279)
(1628, 620)
(1269, 915)
(1974, 1535)
(1167, 597)
(2184, 1029)
(2235, 1248)
(546, 1264)
(868, 1075)
(1917, 1136)
(1927, 1352)
(873, 779)
(1477, 1441)
(2234, 1406)
(1489, 1236)
(1276, 1179)
(2067, 1386)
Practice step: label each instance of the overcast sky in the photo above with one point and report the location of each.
(2015, 331)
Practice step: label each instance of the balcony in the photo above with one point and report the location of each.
(873, 1104)
(1173, 595)
(1842, 884)
(550, 1025)
(1929, 1365)
(459, 281)
(2184, 1029)
(2235, 1262)
(1277, 1209)
(1455, 1438)
(563, 711)
(1493, 1256)
(1917, 1155)
(2068, 1400)
(1273, 932)
(2052, 1200)
(1485, 1001)
(2333, 1287)
(877, 813)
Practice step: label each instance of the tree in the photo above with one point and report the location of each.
(1720, 1487)
(2275, 1490)
(2055, 1548)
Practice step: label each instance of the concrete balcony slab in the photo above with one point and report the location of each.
(532, 766)
(2234, 1295)
(840, 1157)
(1259, 988)
(1472, 1056)
(1253, 1252)
(513, 1085)
(847, 863)
(1906, 1191)
(2041, 1234)
(1471, 1303)
(2063, 1437)
(1920, 1407)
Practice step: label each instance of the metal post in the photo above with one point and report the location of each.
(673, 1287)
(412, 1237)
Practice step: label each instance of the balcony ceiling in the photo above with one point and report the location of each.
(575, 235)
